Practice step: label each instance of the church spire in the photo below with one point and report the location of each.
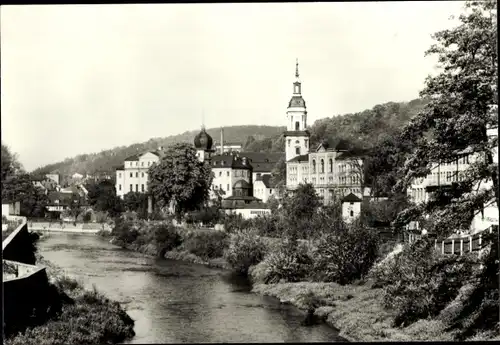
(296, 84)
(203, 119)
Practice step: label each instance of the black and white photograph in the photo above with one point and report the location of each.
(260, 172)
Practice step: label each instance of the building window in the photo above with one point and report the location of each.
(142, 164)
(131, 175)
(297, 150)
(221, 187)
(297, 126)
(220, 173)
(142, 188)
(136, 174)
(289, 141)
(131, 188)
(322, 166)
(136, 164)
(142, 174)
(119, 187)
(228, 186)
(136, 187)
(119, 175)
(330, 163)
(228, 173)
(352, 213)
(314, 166)
(149, 163)
(305, 143)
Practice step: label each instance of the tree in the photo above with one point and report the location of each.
(138, 202)
(9, 163)
(181, 179)
(278, 176)
(102, 197)
(75, 207)
(33, 200)
(463, 106)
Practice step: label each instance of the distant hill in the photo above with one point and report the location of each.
(108, 160)
(364, 129)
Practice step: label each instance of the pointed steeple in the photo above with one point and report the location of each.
(203, 119)
(296, 84)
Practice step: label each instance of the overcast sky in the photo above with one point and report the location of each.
(83, 78)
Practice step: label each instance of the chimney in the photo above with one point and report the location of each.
(221, 140)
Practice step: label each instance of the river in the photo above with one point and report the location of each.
(174, 301)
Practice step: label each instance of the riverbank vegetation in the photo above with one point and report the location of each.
(71, 315)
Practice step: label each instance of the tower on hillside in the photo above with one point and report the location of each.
(296, 135)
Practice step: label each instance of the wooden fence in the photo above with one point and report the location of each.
(460, 245)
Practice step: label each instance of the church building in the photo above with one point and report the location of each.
(334, 172)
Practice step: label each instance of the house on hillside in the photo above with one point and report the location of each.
(61, 201)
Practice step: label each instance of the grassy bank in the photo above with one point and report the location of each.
(82, 316)
(357, 311)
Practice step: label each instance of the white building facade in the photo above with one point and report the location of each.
(133, 176)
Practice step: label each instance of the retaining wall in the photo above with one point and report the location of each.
(19, 246)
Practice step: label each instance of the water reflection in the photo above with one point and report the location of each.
(172, 301)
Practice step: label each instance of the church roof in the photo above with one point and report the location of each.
(203, 141)
(297, 101)
(240, 184)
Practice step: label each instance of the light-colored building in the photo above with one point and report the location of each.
(228, 170)
(334, 172)
(133, 175)
(351, 207)
(54, 177)
(448, 173)
(263, 187)
(77, 176)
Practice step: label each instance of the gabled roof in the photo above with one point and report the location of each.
(138, 155)
(262, 157)
(266, 179)
(301, 158)
(351, 198)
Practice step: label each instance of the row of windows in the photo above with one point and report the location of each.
(260, 191)
(237, 173)
(136, 163)
(131, 189)
(132, 174)
(220, 187)
(342, 167)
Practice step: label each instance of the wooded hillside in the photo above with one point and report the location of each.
(364, 129)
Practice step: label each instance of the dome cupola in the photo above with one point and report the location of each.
(203, 141)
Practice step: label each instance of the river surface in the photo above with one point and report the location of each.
(174, 301)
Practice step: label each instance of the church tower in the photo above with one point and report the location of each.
(296, 136)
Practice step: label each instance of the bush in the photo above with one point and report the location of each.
(166, 238)
(245, 249)
(235, 222)
(124, 231)
(421, 282)
(291, 262)
(206, 244)
(345, 256)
